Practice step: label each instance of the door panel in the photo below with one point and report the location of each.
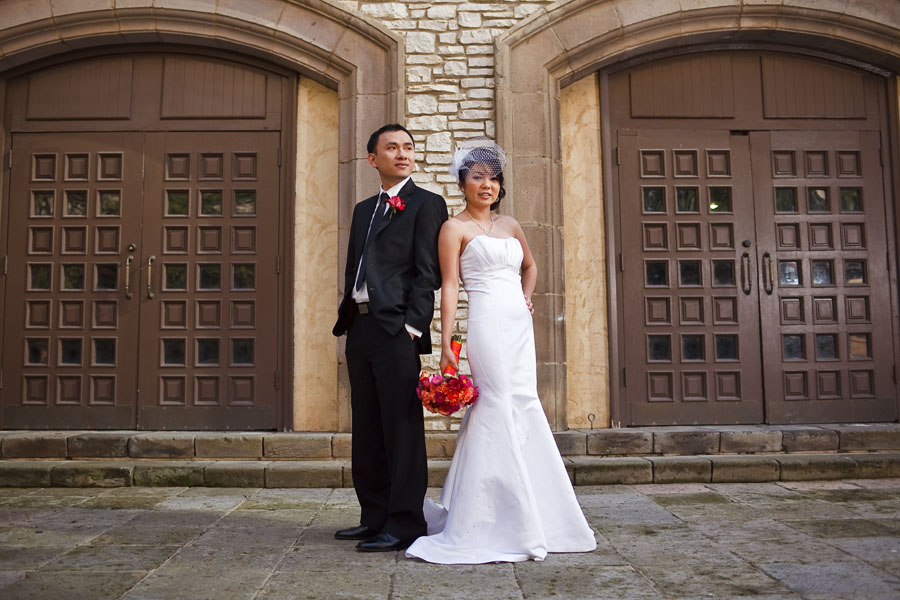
(687, 230)
(822, 250)
(69, 359)
(209, 320)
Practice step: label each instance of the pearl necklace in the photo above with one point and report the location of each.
(487, 231)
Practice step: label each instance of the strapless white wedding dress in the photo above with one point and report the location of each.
(507, 496)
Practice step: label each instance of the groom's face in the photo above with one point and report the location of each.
(394, 156)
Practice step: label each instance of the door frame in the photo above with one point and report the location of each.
(620, 411)
(286, 186)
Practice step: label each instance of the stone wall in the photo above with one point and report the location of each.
(449, 48)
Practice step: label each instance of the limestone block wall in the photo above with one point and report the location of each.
(450, 82)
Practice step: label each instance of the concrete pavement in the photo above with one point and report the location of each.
(789, 540)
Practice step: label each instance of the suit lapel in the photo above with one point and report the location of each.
(405, 192)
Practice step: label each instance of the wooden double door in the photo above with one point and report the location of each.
(754, 273)
(141, 285)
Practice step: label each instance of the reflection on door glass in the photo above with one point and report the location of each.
(40, 277)
(244, 276)
(720, 200)
(692, 347)
(38, 351)
(73, 277)
(726, 347)
(793, 347)
(210, 277)
(786, 200)
(177, 204)
(822, 272)
(104, 351)
(858, 346)
(107, 277)
(818, 200)
(176, 277)
(245, 202)
(70, 352)
(657, 273)
(723, 272)
(76, 203)
(211, 202)
(686, 200)
(789, 272)
(654, 199)
(826, 346)
(173, 351)
(851, 200)
(208, 351)
(242, 351)
(110, 203)
(689, 272)
(42, 204)
(855, 272)
(659, 348)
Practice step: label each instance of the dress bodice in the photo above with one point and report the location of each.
(487, 262)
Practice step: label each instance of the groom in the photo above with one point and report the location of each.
(389, 282)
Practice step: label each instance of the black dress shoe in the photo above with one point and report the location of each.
(383, 542)
(360, 532)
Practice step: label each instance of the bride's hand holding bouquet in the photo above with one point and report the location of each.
(448, 392)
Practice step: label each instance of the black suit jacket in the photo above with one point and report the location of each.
(402, 268)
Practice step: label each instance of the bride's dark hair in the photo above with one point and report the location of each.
(484, 156)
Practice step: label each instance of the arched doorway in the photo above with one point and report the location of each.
(752, 241)
(143, 243)
(556, 65)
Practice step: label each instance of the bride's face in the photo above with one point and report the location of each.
(481, 186)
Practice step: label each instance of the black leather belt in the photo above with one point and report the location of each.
(363, 307)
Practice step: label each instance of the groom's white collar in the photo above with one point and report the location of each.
(395, 189)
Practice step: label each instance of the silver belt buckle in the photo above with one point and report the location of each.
(363, 308)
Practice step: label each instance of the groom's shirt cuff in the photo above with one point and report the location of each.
(413, 330)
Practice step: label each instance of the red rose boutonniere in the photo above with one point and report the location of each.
(397, 204)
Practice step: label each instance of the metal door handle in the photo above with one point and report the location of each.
(746, 284)
(768, 274)
(128, 262)
(150, 275)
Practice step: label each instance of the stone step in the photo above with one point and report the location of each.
(644, 442)
(335, 473)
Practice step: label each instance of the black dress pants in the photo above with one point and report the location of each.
(390, 471)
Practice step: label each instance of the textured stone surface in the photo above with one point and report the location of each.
(732, 469)
(162, 445)
(766, 541)
(681, 469)
(228, 446)
(34, 445)
(614, 470)
(750, 441)
(304, 474)
(799, 467)
(685, 442)
(98, 444)
(235, 474)
(91, 474)
(571, 443)
(619, 441)
(297, 445)
(166, 473)
(809, 440)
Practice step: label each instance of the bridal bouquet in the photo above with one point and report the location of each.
(447, 393)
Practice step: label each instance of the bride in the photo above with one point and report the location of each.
(507, 496)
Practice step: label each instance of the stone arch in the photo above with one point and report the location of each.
(353, 60)
(558, 47)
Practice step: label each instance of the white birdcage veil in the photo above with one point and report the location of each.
(477, 151)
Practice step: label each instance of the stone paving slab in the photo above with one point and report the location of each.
(804, 540)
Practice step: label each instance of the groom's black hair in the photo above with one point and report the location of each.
(373, 139)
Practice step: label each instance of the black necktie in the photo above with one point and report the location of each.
(379, 213)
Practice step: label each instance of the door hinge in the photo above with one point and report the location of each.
(277, 380)
(624, 376)
(279, 157)
(618, 158)
(277, 264)
(621, 262)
